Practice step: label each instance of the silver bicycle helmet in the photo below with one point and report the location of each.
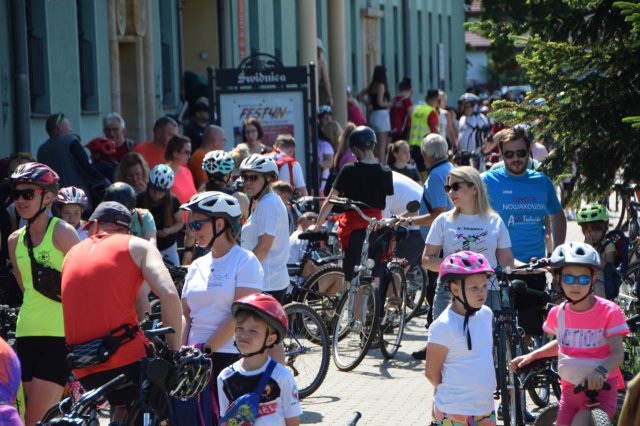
(161, 177)
(193, 370)
(71, 195)
(575, 254)
(216, 204)
(218, 162)
(260, 164)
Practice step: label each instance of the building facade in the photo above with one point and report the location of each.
(86, 58)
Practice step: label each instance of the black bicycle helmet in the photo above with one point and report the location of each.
(362, 137)
(122, 193)
(193, 370)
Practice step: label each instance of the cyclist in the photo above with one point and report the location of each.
(101, 278)
(213, 282)
(9, 385)
(142, 223)
(366, 181)
(459, 351)
(261, 322)
(71, 202)
(594, 221)
(589, 332)
(37, 251)
(218, 166)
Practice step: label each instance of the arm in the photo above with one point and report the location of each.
(427, 219)
(436, 354)
(595, 379)
(558, 228)
(186, 321)
(142, 301)
(265, 241)
(380, 96)
(244, 204)
(327, 160)
(324, 74)
(149, 259)
(550, 349)
(324, 211)
(178, 223)
(430, 257)
(228, 326)
(505, 257)
(86, 168)
(64, 236)
(12, 243)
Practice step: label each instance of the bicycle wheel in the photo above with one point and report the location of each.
(312, 293)
(353, 334)
(394, 312)
(627, 297)
(539, 388)
(548, 416)
(307, 348)
(417, 281)
(599, 417)
(510, 393)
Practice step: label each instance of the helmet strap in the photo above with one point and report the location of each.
(262, 350)
(469, 310)
(215, 233)
(41, 210)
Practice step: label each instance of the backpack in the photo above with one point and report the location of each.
(282, 159)
(613, 276)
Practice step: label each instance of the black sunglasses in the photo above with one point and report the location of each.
(249, 178)
(521, 153)
(27, 193)
(456, 186)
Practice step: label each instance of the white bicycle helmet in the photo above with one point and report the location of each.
(260, 164)
(161, 177)
(575, 253)
(215, 204)
(71, 195)
(218, 162)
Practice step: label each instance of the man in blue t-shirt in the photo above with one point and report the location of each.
(523, 198)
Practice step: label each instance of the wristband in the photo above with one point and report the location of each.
(188, 249)
(602, 370)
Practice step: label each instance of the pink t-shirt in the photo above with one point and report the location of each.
(183, 186)
(584, 340)
(152, 153)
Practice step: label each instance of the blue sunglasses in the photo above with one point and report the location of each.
(571, 279)
(196, 225)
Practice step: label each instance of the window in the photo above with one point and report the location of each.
(430, 40)
(396, 44)
(166, 52)
(87, 55)
(37, 53)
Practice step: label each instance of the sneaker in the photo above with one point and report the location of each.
(420, 355)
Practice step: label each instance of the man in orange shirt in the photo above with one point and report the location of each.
(212, 140)
(153, 151)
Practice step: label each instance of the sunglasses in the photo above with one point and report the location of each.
(571, 279)
(521, 153)
(27, 193)
(456, 186)
(196, 225)
(249, 178)
(59, 118)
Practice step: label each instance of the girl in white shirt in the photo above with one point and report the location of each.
(213, 283)
(459, 351)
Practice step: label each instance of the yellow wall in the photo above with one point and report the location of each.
(200, 34)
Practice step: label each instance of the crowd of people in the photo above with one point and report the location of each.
(88, 238)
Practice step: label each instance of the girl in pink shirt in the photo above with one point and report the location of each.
(589, 332)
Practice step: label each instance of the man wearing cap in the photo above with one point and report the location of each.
(200, 120)
(101, 279)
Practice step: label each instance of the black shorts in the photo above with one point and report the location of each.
(44, 358)
(277, 294)
(352, 255)
(530, 316)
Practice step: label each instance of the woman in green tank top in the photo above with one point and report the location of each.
(40, 328)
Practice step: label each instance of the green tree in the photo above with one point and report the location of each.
(583, 58)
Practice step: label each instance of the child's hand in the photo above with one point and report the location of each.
(521, 361)
(594, 380)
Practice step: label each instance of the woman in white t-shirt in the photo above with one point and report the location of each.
(212, 284)
(471, 226)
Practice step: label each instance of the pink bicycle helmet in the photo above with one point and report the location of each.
(71, 195)
(462, 264)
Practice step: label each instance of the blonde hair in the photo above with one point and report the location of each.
(333, 131)
(472, 176)
(239, 153)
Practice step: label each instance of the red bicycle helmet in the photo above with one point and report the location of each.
(37, 174)
(267, 308)
(72, 195)
(102, 145)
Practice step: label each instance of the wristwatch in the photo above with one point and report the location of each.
(602, 370)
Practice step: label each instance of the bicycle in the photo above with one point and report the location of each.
(307, 348)
(508, 342)
(599, 417)
(358, 314)
(538, 378)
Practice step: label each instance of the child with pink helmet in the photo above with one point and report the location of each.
(459, 351)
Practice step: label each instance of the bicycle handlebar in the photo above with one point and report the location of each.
(583, 388)
(353, 205)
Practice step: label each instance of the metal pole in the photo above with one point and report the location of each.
(22, 97)
(211, 92)
(406, 35)
(313, 126)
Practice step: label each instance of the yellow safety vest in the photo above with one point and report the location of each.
(420, 124)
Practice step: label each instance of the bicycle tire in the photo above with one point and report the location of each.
(599, 417)
(52, 413)
(350, 344)
(510, 393)
(548, 416)
(417, 281)
(539, 389)
(394, 316)
(307, 348)
(322, 303)
(627, 298)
